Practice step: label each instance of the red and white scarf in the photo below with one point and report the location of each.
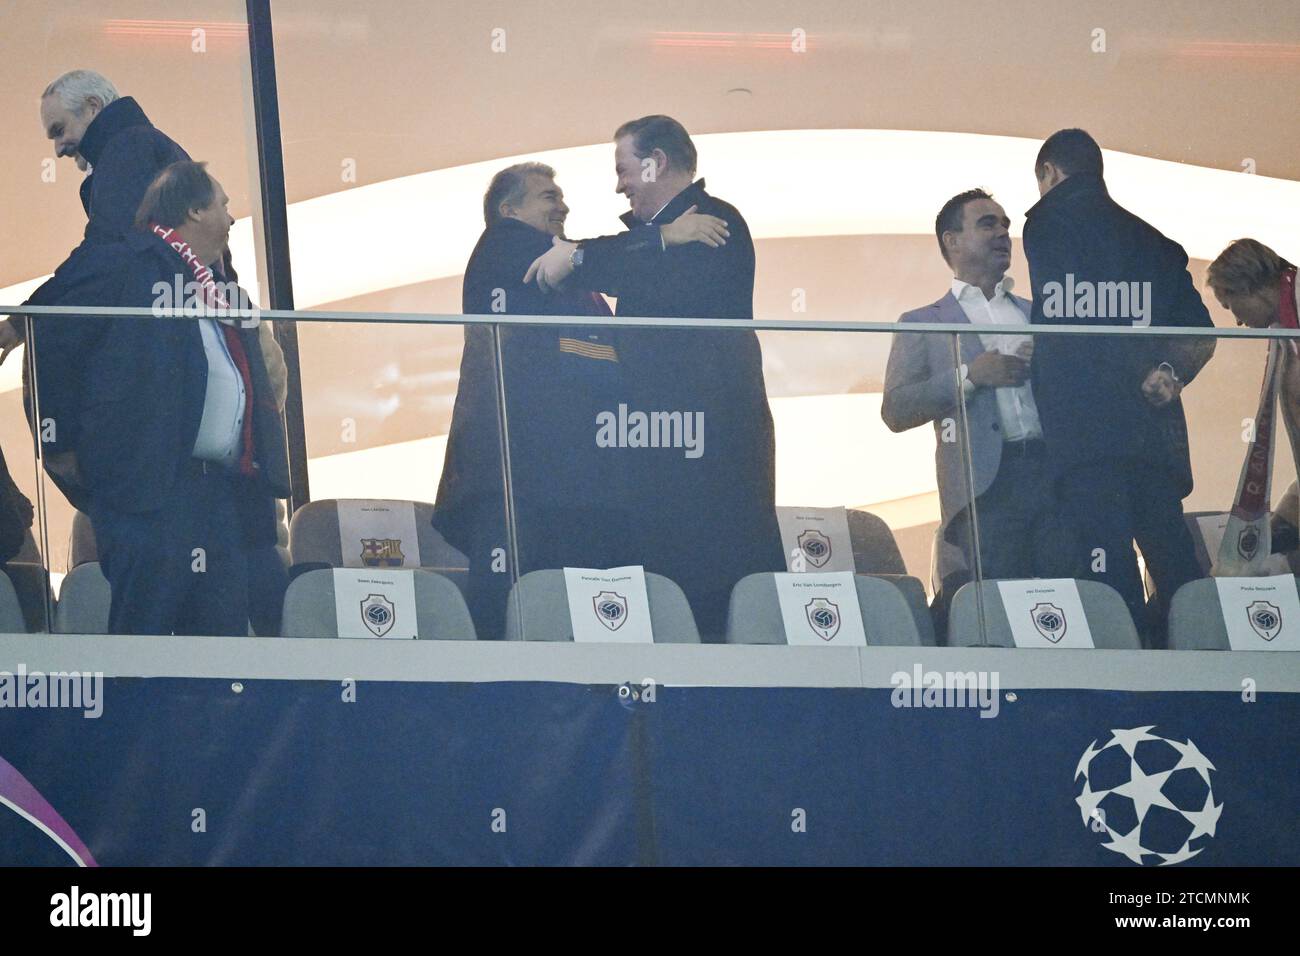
(1247, 539)
(234, 345)
(202, 274)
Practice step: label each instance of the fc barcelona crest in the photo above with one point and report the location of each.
(382, 553)
(1049, 621)
(611, 609)
(378, 614)
(1265, 619)
(815, 546)
(823, 617)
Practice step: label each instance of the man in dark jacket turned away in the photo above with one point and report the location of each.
(706, 514)
(567, 494)
(86, 119)
(1112, 418)
(173, 427)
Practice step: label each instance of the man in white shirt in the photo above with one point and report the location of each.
(1012, 517)
(172, 424)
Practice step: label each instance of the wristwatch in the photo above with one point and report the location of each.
(1166, 367)
(575, 257)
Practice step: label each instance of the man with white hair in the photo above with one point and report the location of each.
(109, 136)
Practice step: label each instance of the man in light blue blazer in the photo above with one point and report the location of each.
(1018, 531)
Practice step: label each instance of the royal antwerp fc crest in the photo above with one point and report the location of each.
(823, 617)
(378, 614)
(1265, 619)
(611, 609)
(1248, 542)
(1049, 621)
(815, 546)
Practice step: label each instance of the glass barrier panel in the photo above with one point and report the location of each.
(73, 185)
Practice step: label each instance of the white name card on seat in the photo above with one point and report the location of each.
(820, 609)
(375, 603)
(608, 607)
(1260, 614)
(821, 534)
(378, 534)
(1045, 612)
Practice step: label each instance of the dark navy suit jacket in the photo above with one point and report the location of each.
(127, 394)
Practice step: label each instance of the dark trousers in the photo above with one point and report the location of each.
(548, 537)
(1114, 503)
(180, 569)
(1020, 528)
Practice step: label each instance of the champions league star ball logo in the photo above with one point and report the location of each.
(378, 614)
(1265, 619)
(823, 618)
(611, 609)
(816, 547)
(1150, 795)
(1049, 621)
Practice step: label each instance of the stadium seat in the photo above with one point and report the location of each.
(914, 593)
(874, 549)
(29, 553)
(11, 612)
(945, 558)
(1108, 618)
(84, 601)
(754, 616)
(314, 538)
(1196, 618)
(541, 601)
(440, 611)
(81, 542)
(32, 585)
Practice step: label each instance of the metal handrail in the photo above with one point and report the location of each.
(765, 325)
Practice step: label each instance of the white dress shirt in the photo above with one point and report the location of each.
(221, 427)
(1016, 406)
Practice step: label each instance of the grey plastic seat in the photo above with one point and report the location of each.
(440, 611)
(540, 601)
(29, 553)
(754, 614)
(81, 542)
(32, 585)
(11, 612)
(1108, 617)
(1196, 618)
(314, 538)
(84, 601)
(914, 593)
(875, 551)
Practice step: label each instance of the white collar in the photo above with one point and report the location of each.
(1004, 287)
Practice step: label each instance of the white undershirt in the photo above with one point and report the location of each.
(221, 427)
(1016, 407)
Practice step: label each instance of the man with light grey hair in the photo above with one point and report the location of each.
(108, 136)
